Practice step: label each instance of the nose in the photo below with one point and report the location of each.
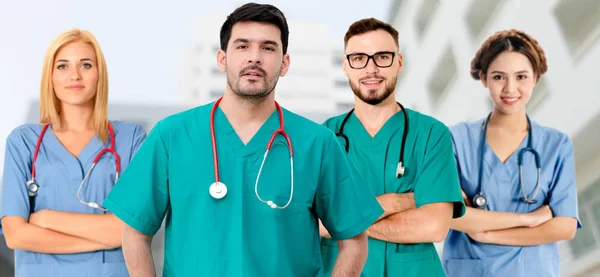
(371, 68)
(510, 85)
(255, 56)
(75, 74)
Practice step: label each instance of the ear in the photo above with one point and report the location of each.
(483, 79)
(345, 65)
(285, 65)
(400, 63)
(222, 60)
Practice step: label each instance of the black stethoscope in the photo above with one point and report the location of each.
(479, 200)
(400, 168)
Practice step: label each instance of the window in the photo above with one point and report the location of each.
(344, 107)
(538, 96)
(343, 84)
(424, 15)
(588, 237)
(480, 14)
(215, 94)
(579, 21)
(442, 77)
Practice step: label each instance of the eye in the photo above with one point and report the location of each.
(241, 47)
(497, 77)
(61, 67)
(86, 65)
(269, 48)
(521, 77)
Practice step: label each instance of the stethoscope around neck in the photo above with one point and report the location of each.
(33, 187)
(479, 200)
(218, 189)
(400, 168)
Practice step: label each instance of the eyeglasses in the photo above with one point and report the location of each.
(360, 60)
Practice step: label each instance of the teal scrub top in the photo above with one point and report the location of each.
(238, 235)
(430, 172)
(59, 174)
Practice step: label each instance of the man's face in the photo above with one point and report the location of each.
(372, 79)
(254, 60)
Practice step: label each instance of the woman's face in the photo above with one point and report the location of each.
(75, 74)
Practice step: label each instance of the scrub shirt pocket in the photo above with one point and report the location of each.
(464, 267)
(46, 197)
(420, 263)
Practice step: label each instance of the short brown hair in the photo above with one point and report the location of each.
(509, 40)
(367, 25)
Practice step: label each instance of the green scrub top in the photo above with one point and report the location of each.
(430, 172)
(238, 235)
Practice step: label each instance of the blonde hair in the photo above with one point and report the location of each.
(50, 104)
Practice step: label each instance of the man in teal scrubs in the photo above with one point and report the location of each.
(221, 218)
(418, 188)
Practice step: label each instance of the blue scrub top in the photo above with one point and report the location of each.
(464, 257)
(59, 174)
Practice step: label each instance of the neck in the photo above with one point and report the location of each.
(240, 110)
(76, 118)
(510, 122)
(375, 116)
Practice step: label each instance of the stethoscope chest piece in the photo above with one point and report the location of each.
(479, 201)
(217, 190)
(32, 188)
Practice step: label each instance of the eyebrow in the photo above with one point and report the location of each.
(243, 40)
(518, 72)
(82, 60)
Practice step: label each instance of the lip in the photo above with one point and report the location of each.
(510, 100)
(253, 73)
(372, 82)
(75, 87)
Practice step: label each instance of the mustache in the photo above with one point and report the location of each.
(253, 67)
(371, 77)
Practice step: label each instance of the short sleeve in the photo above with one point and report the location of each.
(344, 202)
(562, 196)
(140, 197)
(438, 179)
(17, 170)
(139, 135)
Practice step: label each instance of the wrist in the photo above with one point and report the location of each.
(524, 219)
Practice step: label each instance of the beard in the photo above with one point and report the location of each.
(252, 91)
(370, 96)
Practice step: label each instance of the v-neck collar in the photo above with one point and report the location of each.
(258, 142)
(84, 159)
(394, 123)
(511, 165)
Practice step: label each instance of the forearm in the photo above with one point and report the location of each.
(429, 223)
(106, 229)
(351, 258)
(33, 238)
(393, 203)
(138, 253)
(556, 229)
(476, 221)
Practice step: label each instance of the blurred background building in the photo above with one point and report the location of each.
(438, 39)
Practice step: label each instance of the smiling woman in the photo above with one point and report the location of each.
(54, 225)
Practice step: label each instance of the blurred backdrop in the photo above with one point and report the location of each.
(161, 60)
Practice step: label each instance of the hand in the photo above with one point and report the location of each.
(539, 216)
(323, 232)
(480, 237)
(40, 218)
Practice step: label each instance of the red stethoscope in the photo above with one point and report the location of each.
(33, 187)
(218, 190)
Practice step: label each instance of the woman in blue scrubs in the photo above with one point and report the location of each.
(49, 209)
(514, 222)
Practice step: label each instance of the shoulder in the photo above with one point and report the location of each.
(549, 136)
(25, 132)
(334, 123)
(302, 125)
(184, 118)
(126, 128)
(426, 124)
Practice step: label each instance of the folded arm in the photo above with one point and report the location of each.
(138, 253)
(20, 234)
(555, 229)
(105, 229)
(428, 223)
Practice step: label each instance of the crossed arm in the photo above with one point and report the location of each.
(55, 232)
(402, 222)
(515, 229)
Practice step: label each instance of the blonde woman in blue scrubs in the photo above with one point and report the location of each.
(515, 221)
(50, 212)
